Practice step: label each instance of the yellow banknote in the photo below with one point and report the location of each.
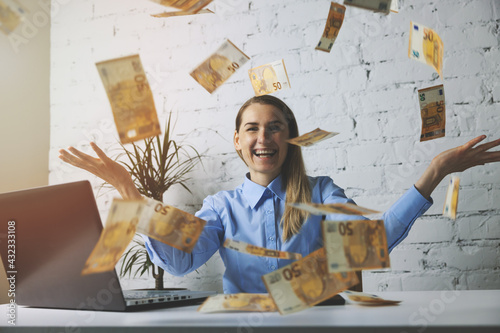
(181, 13)
(312, 137)
(383, 6)
(332, 27)
(426, 46)
(214, 71)
(119, 230)
(333, 208)
(361, 298)
(432, 112)
(131, 98)
(269, 78)
(355, 245)
(306, 282)
(243, 247)
(238, 302)
(451, 200)
(11, 13)
(192, 6)
(170, 225)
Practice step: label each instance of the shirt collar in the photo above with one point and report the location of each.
(254, 192)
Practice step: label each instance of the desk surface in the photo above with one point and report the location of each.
(421, 311)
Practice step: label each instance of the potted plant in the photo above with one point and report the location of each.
(155, 166)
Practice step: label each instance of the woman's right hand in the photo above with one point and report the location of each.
(103, 167)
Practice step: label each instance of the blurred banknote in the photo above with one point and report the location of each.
(119, 230)
(426, 46)
(306, 282)
(383, 6)
(192, 6)
(361, 298)
(355, 245)
(269, 78)
(312, 137)
(332, 27)
(451, 201)
(11, 13)
(243, 247)
(433, 113)
(333, 208)
(214, 71)
(181, 13)
(238, 302)
(170, 225)
(395, 6)
(131, 98)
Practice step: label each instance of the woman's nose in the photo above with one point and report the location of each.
(263, 136)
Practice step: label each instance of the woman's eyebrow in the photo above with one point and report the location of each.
(274, 122)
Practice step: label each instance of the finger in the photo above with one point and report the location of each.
(82, 155)
(99, 152)
(488, 145)
(474, 141)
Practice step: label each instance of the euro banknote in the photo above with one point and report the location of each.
(223, 63)
(181, 13)
(361, 298)
(451, 200)
(426, 46)
(355, 245)
(269, 78)
(333, 208)
(238, 302)
(332, 27)
(306, 282)
(192, 6)
(432, 112)
(383, 6)
(312, 137)
(130, 97)
(243, 247)
(395, 6)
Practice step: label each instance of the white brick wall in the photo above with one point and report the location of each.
(366, 88)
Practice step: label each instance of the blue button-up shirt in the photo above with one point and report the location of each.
(252, 213)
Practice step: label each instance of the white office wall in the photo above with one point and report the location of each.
(366, 88)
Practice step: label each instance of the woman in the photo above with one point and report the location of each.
(256, 211)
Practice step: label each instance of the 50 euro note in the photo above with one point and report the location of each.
(383, 6)
(451, 200)
(238, 302)
(181, 13)
(119, 230)
(130, 97)
(223, 63)
(312, 137)
(306, 282)
(269, 78)
(243, 247)
(11, 14)
(361, 298)
(432, 112)
(332, 27)
(333, 208)
(191, 6)
(355, 245)
(426, 46)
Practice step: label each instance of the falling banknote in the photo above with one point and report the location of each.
(214, 71)
(181, 13)
(432, 111)
(11, 13)
(383, 6)
(395, 6)
(306, 282)
(426, 46)
(332, 27)
(361, 298)
(333, 208)
(119, 230)
(238, 302)
(192, 6)
(312, 137)
(243, 247)
(170, 225)
(269, 78)
(451, 201)
(355, 245)
(131, 98)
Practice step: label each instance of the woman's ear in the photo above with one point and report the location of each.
(236, 140)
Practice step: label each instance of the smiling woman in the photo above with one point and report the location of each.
(256, 212)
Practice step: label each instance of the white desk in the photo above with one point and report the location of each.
(420, 312)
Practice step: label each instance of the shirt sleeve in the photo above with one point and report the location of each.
(177, 262)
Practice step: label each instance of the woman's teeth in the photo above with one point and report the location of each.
(265, 152)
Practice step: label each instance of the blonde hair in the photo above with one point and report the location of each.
(293, 171)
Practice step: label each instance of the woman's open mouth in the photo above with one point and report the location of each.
(264, 153)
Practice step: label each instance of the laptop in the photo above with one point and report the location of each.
(47, 234)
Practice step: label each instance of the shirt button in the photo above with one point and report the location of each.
(271, 238)
(269, 212)
(272, 267)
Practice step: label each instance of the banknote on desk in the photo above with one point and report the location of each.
(238, 303)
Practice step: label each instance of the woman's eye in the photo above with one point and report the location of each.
(252, 129)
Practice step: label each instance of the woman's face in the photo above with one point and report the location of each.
(261, 139)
